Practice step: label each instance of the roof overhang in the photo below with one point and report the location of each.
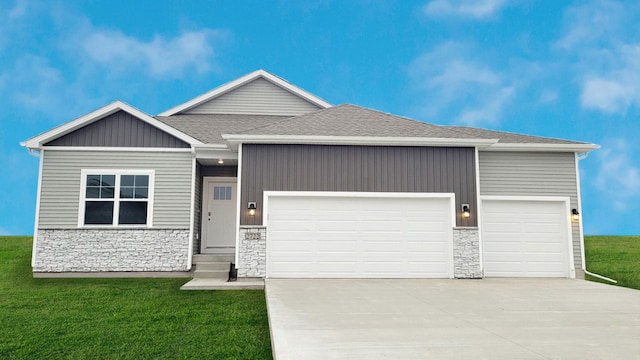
(577, 148)
(205, 152)
(36, 143)
(234, 140)
(223, 89)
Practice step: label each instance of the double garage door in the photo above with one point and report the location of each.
(359, 236)
(324, 235)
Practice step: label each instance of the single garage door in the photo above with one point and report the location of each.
(320, 236)
(525, 238)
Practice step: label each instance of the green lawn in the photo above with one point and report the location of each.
(616, 257)
(122, 318)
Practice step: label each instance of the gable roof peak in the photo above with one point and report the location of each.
(36, 142)
(244, 80)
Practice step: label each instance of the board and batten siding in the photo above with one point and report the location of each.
(532, 174)
(357, 168)
(259, 97)
(60, 188)
(119, 129)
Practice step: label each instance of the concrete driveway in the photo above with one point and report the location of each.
(452, 319)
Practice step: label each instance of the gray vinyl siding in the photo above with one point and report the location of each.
(532, 174)
(60, 189)
(357, 168)
(119, 129)
(259, 97)
(197, 218)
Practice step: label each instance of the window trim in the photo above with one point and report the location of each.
(116, 198)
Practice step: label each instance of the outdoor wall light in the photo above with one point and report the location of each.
(466, 212)
(575, 215)
(220, 162)
(252, 208)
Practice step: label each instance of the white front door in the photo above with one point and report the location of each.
(219, 216)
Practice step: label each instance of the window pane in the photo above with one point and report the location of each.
(98, 212)
(126, 192)
(228, 192)
(93, 192)
(126, 180)
(216, 193)
(93, 180)
(108, 180)
(106, 193)
(142, 192)
(133, 212)
(142, 180)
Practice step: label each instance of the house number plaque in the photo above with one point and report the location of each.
(252, 236)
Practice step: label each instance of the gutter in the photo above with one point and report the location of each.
(598, 276)
(582, 156)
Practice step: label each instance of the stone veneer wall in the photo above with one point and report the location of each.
(466, 253)
(102, 250)
(252, 255)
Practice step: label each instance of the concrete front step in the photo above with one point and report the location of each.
(213, 258)
(220, 284)
(211, 274)
(220, 266)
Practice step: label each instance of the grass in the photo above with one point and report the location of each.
(616, 257)
(122, 318)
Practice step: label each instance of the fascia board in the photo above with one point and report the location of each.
(579, 148)
(223, 89)
(234, 140)
(37, 141)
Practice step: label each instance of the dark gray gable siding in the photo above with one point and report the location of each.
(358, 168)
(119, 129)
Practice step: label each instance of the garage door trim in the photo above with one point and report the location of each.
(267, 195)
(567, 209)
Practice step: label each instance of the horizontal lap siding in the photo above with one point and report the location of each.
(357, 168)
(60, 189)
(259, 97)
(532, 174)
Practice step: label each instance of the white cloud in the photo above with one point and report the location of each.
(477, 9)
(605, 54)
(548, 96)
(618, 174)
(489, 112)
(616, 85)
(19, 9)
(161, 56)
(470, 92)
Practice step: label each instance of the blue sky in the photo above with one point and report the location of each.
(548, 68)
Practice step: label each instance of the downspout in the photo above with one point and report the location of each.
(584, 259)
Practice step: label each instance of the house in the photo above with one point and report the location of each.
(277, 181)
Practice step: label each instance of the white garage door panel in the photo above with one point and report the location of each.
(352, 237)
(525, 238)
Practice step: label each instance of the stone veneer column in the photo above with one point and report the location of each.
(252, 254)
(103, 250)
(466, 253)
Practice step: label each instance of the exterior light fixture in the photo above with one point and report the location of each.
(252, 208)
(220, 162)
(466, 212)
(575, 215)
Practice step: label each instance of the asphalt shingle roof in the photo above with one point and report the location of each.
(209, 128)
(351, 120)
(343, 120)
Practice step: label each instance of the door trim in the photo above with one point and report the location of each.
(206, 180)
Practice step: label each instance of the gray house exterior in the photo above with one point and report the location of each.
(275, 180)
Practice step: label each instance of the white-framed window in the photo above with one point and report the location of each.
(114, 197)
